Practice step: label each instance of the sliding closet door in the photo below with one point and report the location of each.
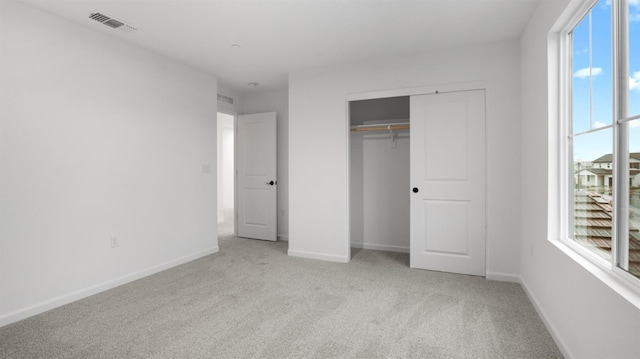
(448, 182)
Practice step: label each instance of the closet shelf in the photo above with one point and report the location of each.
(381, 127)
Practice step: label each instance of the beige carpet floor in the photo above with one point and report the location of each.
(251, 300)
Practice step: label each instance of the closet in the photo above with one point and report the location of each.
(379, 173)
(425, 195)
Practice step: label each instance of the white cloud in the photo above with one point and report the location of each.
(634, 124)
(599, 124)
(634, 81)
(583, 51)
(584, 73)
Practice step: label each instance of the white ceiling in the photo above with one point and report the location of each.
(278, 36)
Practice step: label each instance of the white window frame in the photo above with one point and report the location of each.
(607, 270)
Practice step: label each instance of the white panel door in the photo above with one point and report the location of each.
(257, 182)
(448, 182)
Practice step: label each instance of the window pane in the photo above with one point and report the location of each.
(592, 92)
(601, 58)
(630, 245)
(634, 59)
(581, 75)
(592, 194)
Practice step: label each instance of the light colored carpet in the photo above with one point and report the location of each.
(253, 301)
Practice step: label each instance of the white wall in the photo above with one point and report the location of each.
(276, 101)
(228, 178)
(233, 109)
(586, 317)
(229, 108)
(226, 159)
(99, 138)
(318, 146)
(219, 165)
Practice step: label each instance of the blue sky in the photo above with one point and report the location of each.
(591, 146)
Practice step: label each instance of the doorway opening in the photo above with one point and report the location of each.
(226, 174)
(379, 174)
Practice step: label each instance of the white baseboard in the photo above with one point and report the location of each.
(381, 247)
(283, 237)
(42, 307)
(547, 322)
(321, 256)
(503, 277)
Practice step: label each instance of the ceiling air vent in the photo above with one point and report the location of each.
(226, 99)
(111, 22)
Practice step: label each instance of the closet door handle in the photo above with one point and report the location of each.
(270, 183)
(415, 189)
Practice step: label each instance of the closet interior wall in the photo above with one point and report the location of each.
(379, 176)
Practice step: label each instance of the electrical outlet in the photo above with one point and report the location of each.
(114, 241)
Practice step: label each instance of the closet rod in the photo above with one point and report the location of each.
(381, 127)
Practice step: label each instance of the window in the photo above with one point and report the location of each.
(603, 128)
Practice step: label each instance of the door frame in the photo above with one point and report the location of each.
(411, 91)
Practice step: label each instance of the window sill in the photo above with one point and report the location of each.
(618, 283)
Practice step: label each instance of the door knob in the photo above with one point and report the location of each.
(415, 189)
(270, 183)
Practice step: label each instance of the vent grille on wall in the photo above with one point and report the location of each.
(111, 22)
(226, 99)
